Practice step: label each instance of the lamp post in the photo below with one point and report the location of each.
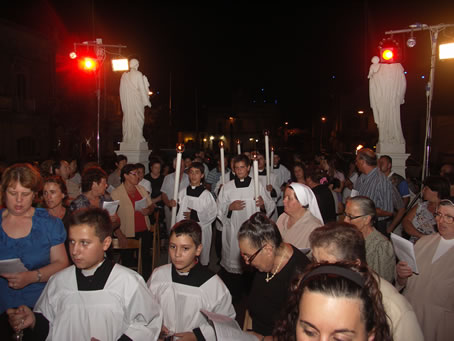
(434, 31)
(100, 50)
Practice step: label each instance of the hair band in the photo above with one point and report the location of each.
(337, 270)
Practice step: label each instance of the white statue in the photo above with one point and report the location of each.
(134, 98)
(387, 87)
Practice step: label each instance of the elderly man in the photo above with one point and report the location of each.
(375, 185)
(342, 242)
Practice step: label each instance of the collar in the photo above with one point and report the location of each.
(195, 191)
(232, 176)
(196, 277)
(98, 280)
(242, 183)
(262, 172)
(276, 167)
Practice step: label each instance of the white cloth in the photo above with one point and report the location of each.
(124, 306)
(134, 97)
(283, 176)
(306, 197)
(274, 181)
(399, 313)
(206, 212)
(231, 225)
(182, 303)
(146, 184)
(387, 87)
(167, 187)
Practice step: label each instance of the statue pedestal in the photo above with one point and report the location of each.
(135, 152)
(397, 153)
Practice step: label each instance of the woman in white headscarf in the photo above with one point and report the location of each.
(301, 215)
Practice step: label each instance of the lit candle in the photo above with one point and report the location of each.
(267, 155)
(180, 150)
(256, 173)
(238, 146)
(221, 151)
(272, 158)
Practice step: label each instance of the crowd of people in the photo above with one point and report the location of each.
(304, 252)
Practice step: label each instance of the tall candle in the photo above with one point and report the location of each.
(255, 164)
(267, 156)
(238, 146)
(221, 151)
(180, 150)
(272, 159)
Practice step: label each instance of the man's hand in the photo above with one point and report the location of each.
(237, 205)
(259, 202)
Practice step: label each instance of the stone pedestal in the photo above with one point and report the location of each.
(135, 152)
(397, 154)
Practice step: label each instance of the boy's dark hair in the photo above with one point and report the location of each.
(140, 166)
(120, 158)
(199, 166)
(94, 217)
(241, 158)
(190, 228)
(126, 169)
(90, 175)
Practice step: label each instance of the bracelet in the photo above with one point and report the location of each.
(38, 276)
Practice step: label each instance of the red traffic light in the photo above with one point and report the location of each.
(389, 55)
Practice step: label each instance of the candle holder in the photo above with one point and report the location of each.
(180, 147)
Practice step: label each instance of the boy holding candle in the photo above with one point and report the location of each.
(238, 199)
(197, 203)
(184, 287)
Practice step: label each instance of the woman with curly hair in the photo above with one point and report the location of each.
(335, 301)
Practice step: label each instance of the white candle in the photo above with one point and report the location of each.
(238, 146)
(267, 157)
(256, 178)
(221, 150)
(180, 149)
(272, 159)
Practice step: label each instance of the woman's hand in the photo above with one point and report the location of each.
(403, 272)
(21, 318)
(20, 280)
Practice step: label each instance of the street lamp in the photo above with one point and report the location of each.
(434, 31)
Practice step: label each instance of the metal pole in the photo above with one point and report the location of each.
(98, 96)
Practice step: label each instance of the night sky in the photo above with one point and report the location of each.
(296, 53)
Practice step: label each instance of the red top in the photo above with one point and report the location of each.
(139, 219)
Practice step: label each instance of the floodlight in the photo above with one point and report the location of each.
(120, 64)
(446, 51)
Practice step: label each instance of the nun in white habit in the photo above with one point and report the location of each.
(301, 215)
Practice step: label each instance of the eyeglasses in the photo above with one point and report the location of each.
(346, 215)
(446, 217)
(131, 173)
(251, 258)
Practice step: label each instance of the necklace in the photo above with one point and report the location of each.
(268, 277)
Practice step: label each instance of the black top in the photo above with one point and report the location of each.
(325, 202)
(156, 185)
(267, 299)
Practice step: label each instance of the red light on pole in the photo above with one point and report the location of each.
(88, 64)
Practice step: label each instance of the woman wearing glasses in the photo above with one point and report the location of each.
(262, 247)
(360, 211)
(420, 220)
(430, 292)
